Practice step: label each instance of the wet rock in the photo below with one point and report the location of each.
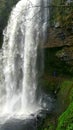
(14, 124)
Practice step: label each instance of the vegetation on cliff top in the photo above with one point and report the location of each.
(62, 14)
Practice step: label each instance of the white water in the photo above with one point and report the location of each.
(26, 29)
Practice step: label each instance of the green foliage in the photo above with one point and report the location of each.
(71, 95)
(66, 119)
(66, 86)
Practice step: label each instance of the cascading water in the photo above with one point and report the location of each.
(25, 32)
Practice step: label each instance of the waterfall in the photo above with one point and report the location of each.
(23, 36)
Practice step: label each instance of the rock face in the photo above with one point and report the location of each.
(58, 38)
(29, 124)
(62, 40)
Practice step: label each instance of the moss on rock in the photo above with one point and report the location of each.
(65, 94)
